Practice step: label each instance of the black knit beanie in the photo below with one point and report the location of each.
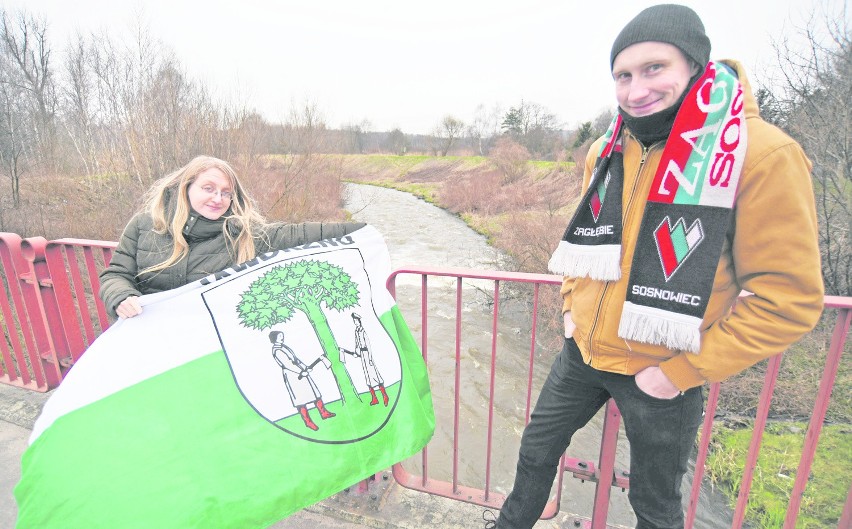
(670, 23)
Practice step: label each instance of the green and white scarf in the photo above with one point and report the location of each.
(686, 216)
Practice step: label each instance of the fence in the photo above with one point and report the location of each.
(50, 306)
(603, 472)
(51, 312)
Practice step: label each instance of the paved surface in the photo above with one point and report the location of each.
(385, 505)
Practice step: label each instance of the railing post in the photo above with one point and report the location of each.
(832, 362)
(846, 517)
(703, 449)
(15, 318)
(756, 439)
(25, 281)
(606, 465)
(46, 318)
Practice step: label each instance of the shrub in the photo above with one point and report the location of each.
(511, 158)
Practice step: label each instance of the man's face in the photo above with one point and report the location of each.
(650, 77)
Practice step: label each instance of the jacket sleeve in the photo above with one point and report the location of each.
(280, 236)
(776, 257)
(118, 280)
(568, 282)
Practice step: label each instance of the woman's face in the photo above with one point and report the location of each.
(210, 194)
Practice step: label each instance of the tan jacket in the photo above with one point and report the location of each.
(771, 251)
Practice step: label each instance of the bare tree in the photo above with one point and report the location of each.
(447, 132)
(810, 101)
(478, 130)
(14, 137)
(355, 137)
(303, 135)
(304, 131)
(78, 105)
(140, 114)
(601, 123)
(396, 142)
(122, 111)
(533, 126)
(27, 52)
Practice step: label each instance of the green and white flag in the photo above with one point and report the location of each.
(234, 401)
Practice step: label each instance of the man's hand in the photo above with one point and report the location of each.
(655, 383)
(129, 308)
(569, 324)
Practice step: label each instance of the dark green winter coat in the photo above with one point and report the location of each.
(140, 248)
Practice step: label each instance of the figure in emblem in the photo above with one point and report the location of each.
(297, 377)
(362, 351)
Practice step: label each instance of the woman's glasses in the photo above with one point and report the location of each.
(210, 190)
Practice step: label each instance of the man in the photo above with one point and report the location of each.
(371, 373)
(298, 380)
(690, 198)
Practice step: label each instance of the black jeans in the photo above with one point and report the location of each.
(661, 434)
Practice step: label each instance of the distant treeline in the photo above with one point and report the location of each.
(117, 114)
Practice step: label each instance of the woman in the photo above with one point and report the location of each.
(195, 222)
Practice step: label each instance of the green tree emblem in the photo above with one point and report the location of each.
(305, 286)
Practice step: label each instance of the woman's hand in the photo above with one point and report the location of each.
(569, 324)
(129, 308)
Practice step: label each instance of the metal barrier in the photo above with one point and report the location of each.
(50, 312)
(50, 306)
(604, 472)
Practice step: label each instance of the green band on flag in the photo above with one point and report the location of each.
(190, 446)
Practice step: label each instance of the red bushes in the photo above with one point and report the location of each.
(292, 189)
(296, 188)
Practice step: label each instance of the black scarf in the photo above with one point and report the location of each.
(685, 218)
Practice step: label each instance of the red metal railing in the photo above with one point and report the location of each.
(50, 312)
(604, 472)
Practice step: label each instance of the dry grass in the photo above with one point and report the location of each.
(297, 188)
(55, 206)
(291, 189)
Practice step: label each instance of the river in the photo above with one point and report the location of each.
(418, 233)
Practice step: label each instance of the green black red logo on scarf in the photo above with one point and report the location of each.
(676, 244)
(597, 198)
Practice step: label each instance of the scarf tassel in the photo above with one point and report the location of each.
(649, 325)
(601, 263)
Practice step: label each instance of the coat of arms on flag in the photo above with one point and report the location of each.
(235, 400)
(306, 346)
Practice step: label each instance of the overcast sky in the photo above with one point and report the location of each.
(408, 64)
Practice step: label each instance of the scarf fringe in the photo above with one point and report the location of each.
(601, 263)
(649, 325)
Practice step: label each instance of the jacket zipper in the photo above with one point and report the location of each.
(645, 151)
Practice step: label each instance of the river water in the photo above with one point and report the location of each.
(418, 233)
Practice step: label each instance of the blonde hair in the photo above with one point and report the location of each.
(168, 204)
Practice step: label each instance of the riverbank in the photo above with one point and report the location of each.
(419, 233)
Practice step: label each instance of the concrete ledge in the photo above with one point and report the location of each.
(21, 406)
